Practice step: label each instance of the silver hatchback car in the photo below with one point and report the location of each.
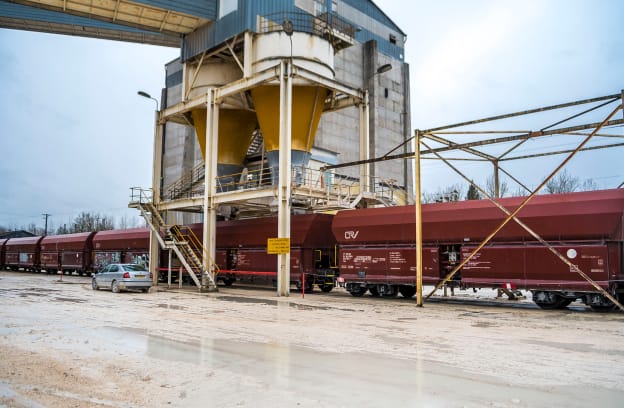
(120, 277)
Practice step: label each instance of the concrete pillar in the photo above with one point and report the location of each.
(285, 176)
(364, 145)
(418, 219)
(210, 188)
(154, 250)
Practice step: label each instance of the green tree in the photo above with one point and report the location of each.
(473, 193)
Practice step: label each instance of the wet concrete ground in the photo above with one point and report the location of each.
(62, 344)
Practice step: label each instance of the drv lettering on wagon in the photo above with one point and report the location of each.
(351, 234)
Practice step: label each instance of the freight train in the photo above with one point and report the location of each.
(372, 250)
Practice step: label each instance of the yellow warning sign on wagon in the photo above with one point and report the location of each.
(278, 246)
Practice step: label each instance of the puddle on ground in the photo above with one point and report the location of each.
(240, 299)
(72, 300)
(298, 306)
(483, 324)
(172, 307)
(576, 347)
(265, 370)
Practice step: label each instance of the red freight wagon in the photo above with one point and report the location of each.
(22, 253)
(2, 252)
(376, 246)
(121, 246)
(242, 251)
(70, 252)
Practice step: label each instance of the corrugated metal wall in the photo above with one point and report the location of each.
(373, 25)
(364, 14)
(232, 24)
(370, 9)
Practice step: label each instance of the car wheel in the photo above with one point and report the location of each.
(115, 287)
(94, 284)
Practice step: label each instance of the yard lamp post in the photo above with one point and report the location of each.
(148, 96)
(156, 180)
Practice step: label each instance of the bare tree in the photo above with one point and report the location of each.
(589, 185)
(444, 194)
(86, 222)
(490, 187)
(564, 182)
(126, 222)
(519, 192)
(33, 229)
(62, 230)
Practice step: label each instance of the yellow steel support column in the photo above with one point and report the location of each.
(364, 144)
(154, 250)
(285, 175)
(418, 221)
(210, 189)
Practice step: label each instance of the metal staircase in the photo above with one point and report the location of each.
(187, 184)
(180, 239)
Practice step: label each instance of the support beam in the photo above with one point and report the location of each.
(154, 249)
(481, 143)
(210, 209)
(247, 55)
(285, 175)
(496, 179)
(535, 235)
(364, 146)
(512, 215)
(418, 222)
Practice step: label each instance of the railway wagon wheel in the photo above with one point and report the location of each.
(601, 304)
(359, 291)
(326, 287)
(550, 300)
(407, 291)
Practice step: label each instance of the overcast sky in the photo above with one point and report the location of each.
(75, 136)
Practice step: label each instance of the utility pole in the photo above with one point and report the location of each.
(45, 215)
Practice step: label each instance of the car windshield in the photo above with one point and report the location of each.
(134, 268)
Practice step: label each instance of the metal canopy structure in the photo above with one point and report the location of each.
(594, 135)
(148, 22)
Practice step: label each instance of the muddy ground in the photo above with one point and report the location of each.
(64, 345)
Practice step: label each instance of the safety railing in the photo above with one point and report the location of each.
(139, 195)
(183, 187)
(326, 25)
(339, 190)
